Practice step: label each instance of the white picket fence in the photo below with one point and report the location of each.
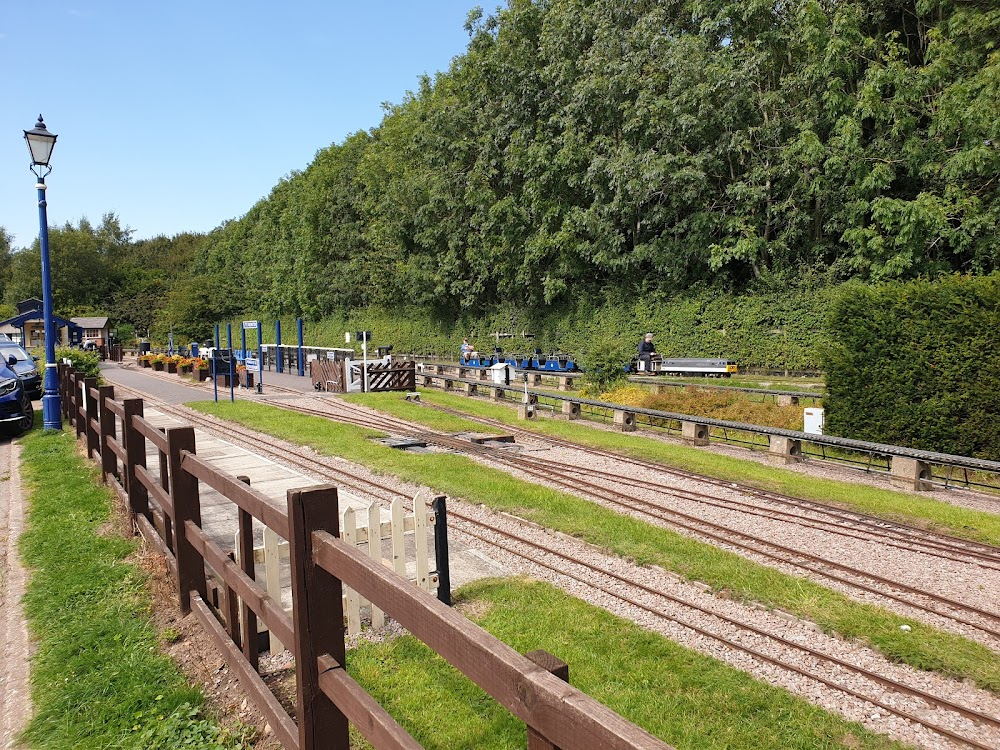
(398, 528)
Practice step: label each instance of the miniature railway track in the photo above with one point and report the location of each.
(566, 476)
(966, 723)
(890, 532)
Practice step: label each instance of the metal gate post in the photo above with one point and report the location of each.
(440, 508)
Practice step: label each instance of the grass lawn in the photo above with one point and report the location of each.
(911, 508)
(686, 699)
(458, 476)
(98, 677)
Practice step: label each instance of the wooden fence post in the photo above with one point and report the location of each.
(70, 400)
(90, 404)
(109, 462)
(135, 452)
(165, 474)
(187, 507)
(63, 371)
(318, 615)
(80, 402)
(248, 619)
(560, 669)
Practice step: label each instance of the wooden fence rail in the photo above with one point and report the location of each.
(230, 604)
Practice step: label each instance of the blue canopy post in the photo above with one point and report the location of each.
(232, 364)
(215, 357)
(278, 362)
(302, 368)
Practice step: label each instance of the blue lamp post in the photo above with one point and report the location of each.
(40, 144)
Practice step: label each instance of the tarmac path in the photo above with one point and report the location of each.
(15, 699)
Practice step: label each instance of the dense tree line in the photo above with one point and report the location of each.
(583, 147)
(582, 151)
(100, 270)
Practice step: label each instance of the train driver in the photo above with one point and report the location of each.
(646, 348)
(466, 350)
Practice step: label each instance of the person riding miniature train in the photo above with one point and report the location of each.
(467, 351)
(646, 350)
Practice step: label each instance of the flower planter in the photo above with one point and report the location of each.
(172, 368)
(184, 369)
(203, 374)
(158, 366)
(246, 379)
(145, 363)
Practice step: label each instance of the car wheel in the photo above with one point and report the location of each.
(28, 421)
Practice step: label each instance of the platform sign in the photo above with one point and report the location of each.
(252, 364)
(249, 325)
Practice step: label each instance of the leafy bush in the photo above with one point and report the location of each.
(915, 364)
(604, 365)
(89, 363)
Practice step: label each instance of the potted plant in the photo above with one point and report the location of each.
(157, 360)
(202, 369)
(171, 363)
(144, 360)
(185, 366)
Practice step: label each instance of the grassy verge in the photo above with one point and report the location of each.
(98, 678)
(686, 699)
(909, 508)
(458, 476)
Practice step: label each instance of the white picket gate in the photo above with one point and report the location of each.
(399, 526)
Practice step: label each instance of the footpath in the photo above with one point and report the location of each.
(15, 700)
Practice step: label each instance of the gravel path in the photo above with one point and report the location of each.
(15, 697)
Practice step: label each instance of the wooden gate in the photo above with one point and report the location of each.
(394, 376)
(401, 526)
(327, 375)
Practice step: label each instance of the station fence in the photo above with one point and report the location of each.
(166, 510)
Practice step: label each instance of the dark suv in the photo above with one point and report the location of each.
(23, 365)
(17, 415)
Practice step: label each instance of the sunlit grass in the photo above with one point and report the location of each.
(686, 699)
(458, 476)
(98, 678)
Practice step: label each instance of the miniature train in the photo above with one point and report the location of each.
(657, 365)
(534, 361)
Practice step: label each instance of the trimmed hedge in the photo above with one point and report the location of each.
(783, 329)
(917, 364)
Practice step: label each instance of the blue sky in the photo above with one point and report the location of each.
(179, 115)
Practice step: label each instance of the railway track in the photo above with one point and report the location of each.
(567, 477)
(961, 724)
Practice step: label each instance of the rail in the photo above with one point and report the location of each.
(167, 511)
(699, 430)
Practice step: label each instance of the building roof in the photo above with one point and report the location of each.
(19, 320)
(91, 322)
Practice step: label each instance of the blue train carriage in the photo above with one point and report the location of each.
(711, 368)
(556, 363)
(549, 363)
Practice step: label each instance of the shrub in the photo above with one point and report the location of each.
(89, 363)
(915, 364)
(605, 364)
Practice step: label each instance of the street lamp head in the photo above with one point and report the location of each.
(40, 144)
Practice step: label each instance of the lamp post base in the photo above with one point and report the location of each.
(52, 411)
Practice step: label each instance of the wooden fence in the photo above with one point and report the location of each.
(167, 512)
(348, 375)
